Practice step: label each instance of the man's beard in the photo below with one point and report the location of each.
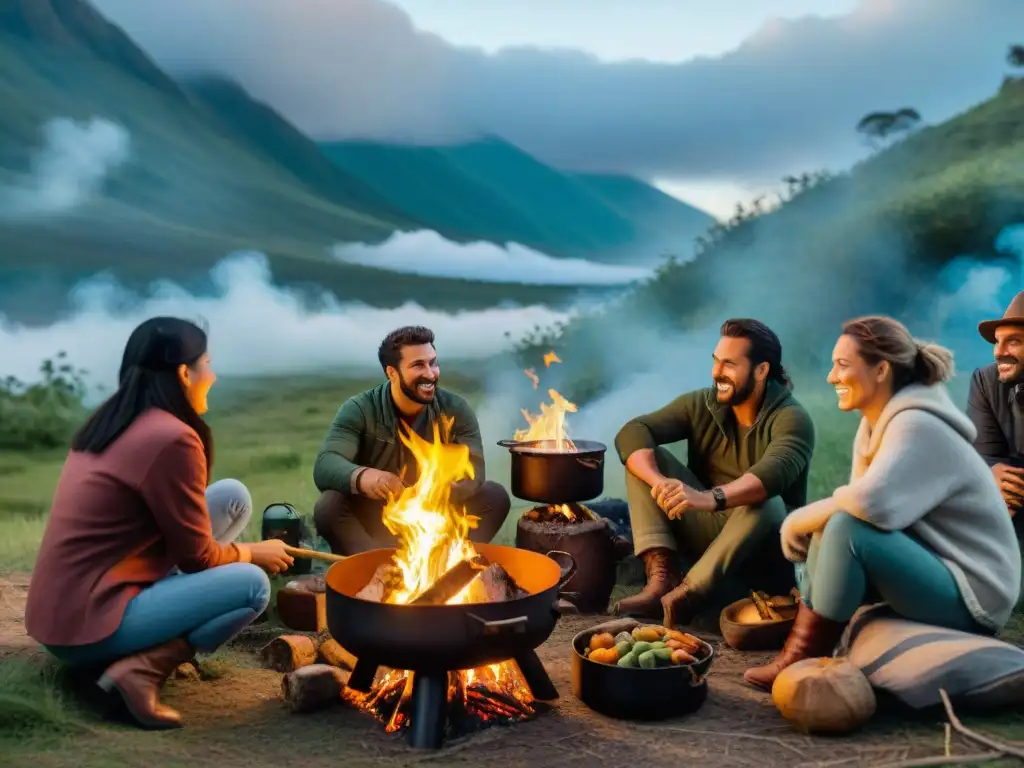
(1018, 374)
(410, 391)
(739, 394)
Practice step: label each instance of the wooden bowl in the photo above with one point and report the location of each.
(744, 629)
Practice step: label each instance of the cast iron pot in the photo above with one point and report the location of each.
(546, 475)
(446, 637)
(630, 693)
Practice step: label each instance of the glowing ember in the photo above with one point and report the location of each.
(432, 537)
(550, 358)
(560, 513)
(549, 424)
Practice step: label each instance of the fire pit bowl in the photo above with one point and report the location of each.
(542, 473)
(630, 693)
(446, 637)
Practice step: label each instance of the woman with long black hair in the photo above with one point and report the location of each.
(138, 568)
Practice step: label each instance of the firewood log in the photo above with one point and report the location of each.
(385, 580)
(453, 581)
(331, 652)
(313, 687)
(288, 653)
(500, 585)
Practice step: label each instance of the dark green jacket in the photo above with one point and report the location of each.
(776, 449)
(364, 433)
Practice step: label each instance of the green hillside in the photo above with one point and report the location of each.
(491, 190)
(871, 240)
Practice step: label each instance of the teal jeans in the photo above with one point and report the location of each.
(851, 563)
(208, 608)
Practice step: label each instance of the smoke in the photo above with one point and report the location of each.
(256, 327)
(70, 167)
(427, 253)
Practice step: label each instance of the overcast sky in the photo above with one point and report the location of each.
(711, 102)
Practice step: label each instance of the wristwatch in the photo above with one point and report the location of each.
(719, 496)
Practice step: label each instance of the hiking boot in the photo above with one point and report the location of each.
(681, 605)
(662, 577)
(138, 679)
(811, 637)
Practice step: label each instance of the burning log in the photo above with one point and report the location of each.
(313, 687)
(453, 581)
(500, 585)
(385, 580)
(561, 514)
(288, 653)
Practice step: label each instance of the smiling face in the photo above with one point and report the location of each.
(417, 374)
(735, 378)
(1009, 353)
(196, 380)
(858, 384)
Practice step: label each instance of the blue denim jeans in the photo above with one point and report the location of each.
(851, 562)
(207, 608)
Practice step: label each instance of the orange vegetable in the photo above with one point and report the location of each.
(602, 640)
(646, 634)
(605, 655)
(679, 656)
(687, 641)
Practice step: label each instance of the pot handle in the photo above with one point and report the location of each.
(485, 628)
(509, 443)
(566, 562)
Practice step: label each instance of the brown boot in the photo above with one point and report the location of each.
(662, 577)
(812, 636)
(681, 605)
(138, 680)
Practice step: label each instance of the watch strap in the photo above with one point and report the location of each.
(719, 496)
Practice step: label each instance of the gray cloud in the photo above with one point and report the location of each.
(786, 100)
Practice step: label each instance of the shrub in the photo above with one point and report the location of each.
(44, 414)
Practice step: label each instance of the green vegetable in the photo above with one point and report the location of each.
(657, 645)
(641, 647)
(629, 660)
(648, 660)
(623, 648)
(662, 655)
(623, 637)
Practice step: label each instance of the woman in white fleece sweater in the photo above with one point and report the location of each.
(921, 525)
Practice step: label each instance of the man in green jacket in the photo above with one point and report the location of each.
(362, 461)
(749, 445)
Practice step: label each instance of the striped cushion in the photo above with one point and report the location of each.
(913, 661)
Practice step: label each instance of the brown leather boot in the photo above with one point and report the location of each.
(681, 605)
(138, 680)
(812, 636)
(662, 576)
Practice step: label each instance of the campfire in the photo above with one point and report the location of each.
(434, 564)
(560, 514)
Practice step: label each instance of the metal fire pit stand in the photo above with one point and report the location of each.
(430, 695)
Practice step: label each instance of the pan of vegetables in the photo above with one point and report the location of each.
(635, 671)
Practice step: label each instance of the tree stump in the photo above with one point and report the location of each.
(590, 544)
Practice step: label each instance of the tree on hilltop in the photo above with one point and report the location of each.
(878, 127)
(1015, 56)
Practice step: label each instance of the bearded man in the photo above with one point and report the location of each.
(363, 462)
(749, 446)
(996, 406)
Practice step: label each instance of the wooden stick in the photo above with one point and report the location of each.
(928, 762)
(977, 738)
(453, 581)
(313, 554)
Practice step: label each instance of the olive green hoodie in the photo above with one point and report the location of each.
(776, 448)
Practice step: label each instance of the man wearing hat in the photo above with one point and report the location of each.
(996, 406)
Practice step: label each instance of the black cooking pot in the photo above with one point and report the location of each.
(632, 693)
(446, 637)
(542, 473)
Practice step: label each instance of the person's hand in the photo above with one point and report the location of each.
(271, 555)
(378, 484)
(794, 543)
(1011, 484)
(676, 498)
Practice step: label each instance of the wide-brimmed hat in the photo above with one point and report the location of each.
(1014, 315)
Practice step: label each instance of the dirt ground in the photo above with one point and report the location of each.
(239, 718)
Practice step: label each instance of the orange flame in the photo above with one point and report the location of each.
(549, 424)
(550, 358)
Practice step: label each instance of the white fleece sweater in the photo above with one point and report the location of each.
(918, 470)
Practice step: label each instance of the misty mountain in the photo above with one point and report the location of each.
(210, 171)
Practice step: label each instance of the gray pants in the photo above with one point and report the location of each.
(732, 551)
